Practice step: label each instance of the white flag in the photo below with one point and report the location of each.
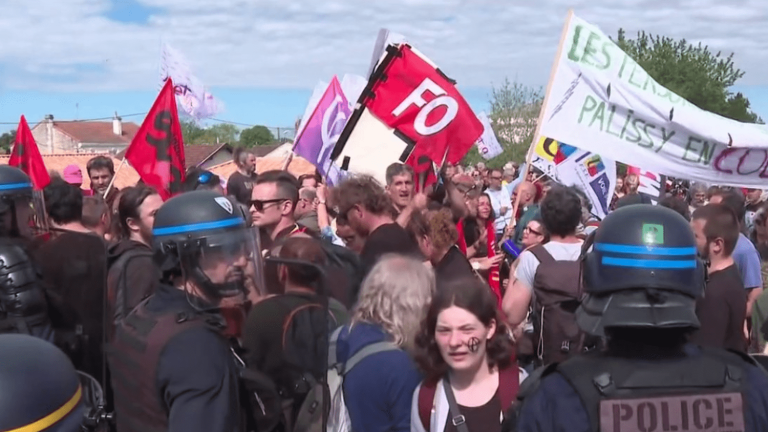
(191, 94)
(600, 100)
(488, 145)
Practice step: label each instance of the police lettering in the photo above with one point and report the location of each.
(711, 413)
(441, 99)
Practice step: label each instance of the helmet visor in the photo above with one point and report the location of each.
(231, 263)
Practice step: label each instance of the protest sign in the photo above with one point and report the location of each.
(190, 91)
(488, 146)
(570, 166)
(321, 130)
(409, 112)
(601, 100)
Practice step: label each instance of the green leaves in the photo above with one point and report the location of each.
(224, 133)
(6, 141)
(514, 112)
(691, 71)
(257, 135)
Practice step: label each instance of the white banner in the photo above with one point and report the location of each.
(602, 101)
(567, 165)
(190, 92)
(488, 145)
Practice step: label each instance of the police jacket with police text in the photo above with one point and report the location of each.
(554, 405)
(194, 384)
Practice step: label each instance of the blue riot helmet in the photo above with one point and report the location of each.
(642, 272)
(39, 388)
(203, 237)
(16, 199)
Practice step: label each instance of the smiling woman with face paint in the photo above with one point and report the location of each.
(466, 354)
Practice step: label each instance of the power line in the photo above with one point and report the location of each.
(251, 125)
(142, 114)
(82, 120)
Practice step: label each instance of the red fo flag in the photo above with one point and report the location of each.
(422, 104)
(26, 156)
(157, 150)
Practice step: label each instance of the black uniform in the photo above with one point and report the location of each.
(642, 279)
(171, 367)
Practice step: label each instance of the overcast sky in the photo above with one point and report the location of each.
(58, 51)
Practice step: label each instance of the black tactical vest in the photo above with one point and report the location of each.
(133, 358)
(703, 392)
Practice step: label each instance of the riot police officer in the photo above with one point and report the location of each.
(642, 278)
(16, 198)
(39, 387)
(23, 303)
(171, 367)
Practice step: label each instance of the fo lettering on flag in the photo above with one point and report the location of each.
(26, 156)
(157, 150)
(410, 112)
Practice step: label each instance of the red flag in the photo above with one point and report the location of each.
(418, 101)
(157, 150)
(26, 156)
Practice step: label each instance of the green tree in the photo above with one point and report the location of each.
(693, 72)
(514, 112)
(222, 132)
(191, 132)
(257, 135)
(6, 141)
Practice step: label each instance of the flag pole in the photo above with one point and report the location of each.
(287, 162)
(112, 182)
(537, 133)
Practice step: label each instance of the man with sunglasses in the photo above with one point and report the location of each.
(273, 202)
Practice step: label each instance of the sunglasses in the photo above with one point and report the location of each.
(260, 205)
(532, 231)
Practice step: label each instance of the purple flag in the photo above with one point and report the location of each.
(323, 128)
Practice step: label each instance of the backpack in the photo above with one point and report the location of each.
(338, 419)
(305, 341)
(509, 383)
(557, 295)
(343, 270)
(343, 273)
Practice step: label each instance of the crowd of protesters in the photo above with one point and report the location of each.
(451, 277)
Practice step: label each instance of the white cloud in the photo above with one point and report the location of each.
(262, 43)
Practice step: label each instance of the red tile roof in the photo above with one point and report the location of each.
(97, 132)
(298, 166)
(127, 176)
(195, 154)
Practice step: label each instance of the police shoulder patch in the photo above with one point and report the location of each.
(224, 203)
(715, 412)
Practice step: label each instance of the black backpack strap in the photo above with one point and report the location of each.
(542, 254)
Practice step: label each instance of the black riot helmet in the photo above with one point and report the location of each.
(642, 272)
(203, 237)
(15, 193)
(39, 387)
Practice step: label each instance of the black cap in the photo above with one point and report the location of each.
(39, 387)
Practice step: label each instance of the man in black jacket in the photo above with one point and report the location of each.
(132, 274)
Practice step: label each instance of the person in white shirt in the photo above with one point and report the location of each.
(500, 201)
(561, 215)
